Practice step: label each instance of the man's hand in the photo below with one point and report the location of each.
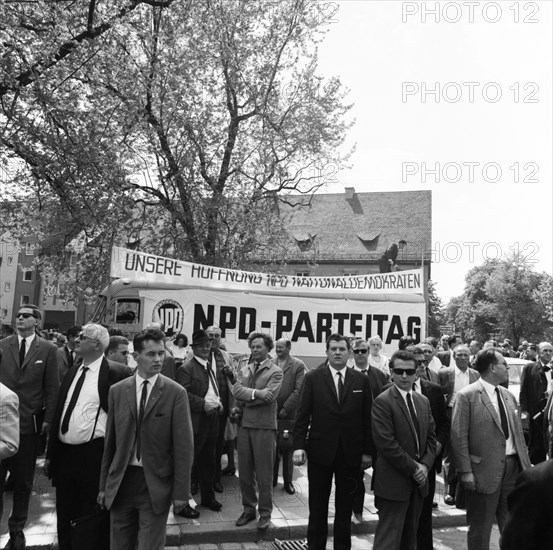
(179, 505)
(46, 468)
(421, 474)
(229, 373)
(366, 461)
(101, 500)
(210, 408)
(262, 394)
(299, 457)
(282, 413)
(45, 428)
(468, 480)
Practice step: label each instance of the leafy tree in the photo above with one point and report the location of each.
(436, 314)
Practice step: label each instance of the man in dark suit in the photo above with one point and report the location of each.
(335, 409)
(199, 379)
(433, 392)
(66, 354)
(30, 369)
(377, 381)
(76, 444)
(488, 446)
(529, 525)
(403, 432)
(534, 385)
(148, 451)
(387, 262)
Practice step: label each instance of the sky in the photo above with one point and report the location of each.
(470, 95)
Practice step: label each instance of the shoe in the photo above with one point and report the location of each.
(434, 504)
(449, 500)
(194, 488)
(289, 488)
(228, 471)
(218, 487)
(357, 519)
(263, 524)
(214, 505)
(189, 512)
(17, 541)
(275, 482)
(244, 518)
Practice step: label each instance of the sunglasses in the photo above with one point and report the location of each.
(408, 372)
(358, 351)
(24, 315)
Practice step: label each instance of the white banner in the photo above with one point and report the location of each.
(307, 322)
(147, 268)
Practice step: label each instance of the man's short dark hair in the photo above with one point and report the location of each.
(335, 337)
(36, 311)
(452, 339)
(403, 355)
(432, 341)
(403, 241)
(115, 342)
(153, 334)
(267, 340)
(416, 350)
(405, 341)
(73, 332)
(485, 359)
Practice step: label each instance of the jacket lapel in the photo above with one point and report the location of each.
(14, 348)
(130, 394)
(403, 407)
(103, 384)
(330, 382)
(491, 409)
(155, 396)
(348, 379)
(31, 354)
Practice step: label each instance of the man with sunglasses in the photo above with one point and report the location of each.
(403, 432)
(30, 369)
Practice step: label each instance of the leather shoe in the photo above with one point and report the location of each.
(218, 487)
(228, 471)
(357, 519)
(214, 505)
(289, 488)
(275, 482)
(244, 518)
(189, 512)
(263, 524)
(449, 500)
(17, 541)
(194, 488)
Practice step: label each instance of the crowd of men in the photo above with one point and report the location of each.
(124, 445)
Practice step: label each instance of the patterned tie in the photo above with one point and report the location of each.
(143, 397)
(502, 414)
(22, 350)
(340, 387)
(73, 402)
(414, 418)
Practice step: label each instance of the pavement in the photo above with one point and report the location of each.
(289, 518)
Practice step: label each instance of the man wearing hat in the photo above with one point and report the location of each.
(199, 378)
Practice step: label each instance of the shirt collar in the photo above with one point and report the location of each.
(152, 381)
(402, 392)
(459, 372)
(490, 388)
(333, 371)
(203, 362)
(361, 370)
(28, 339)
(95, 365)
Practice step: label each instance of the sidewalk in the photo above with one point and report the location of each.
(289, 519)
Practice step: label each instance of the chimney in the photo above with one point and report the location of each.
(350, 193)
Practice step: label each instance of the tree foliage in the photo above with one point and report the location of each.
(436, 314)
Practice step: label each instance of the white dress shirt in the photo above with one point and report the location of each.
(334, 373)
(212, 394)
(461, 380)
(28, 341)
(490, 390)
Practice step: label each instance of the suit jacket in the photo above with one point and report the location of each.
(433, 392)
(533, 385)
(167, 441)
(65, 361)
(477, 439)
(431, 376)
(322, 424)
(257, 413)
(168, 367)
(293, 374)
(445, 357)
(396, 445)
(110, 373)
(529, 525)
(9, 422)
(447, 381)
(36, 383)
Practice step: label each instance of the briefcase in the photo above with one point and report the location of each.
(86, 531)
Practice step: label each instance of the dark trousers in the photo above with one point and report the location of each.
(320, 484)
(77, 478)
(397, 522)
(205, 442)
(359, 496)
(22, 468)
(287, 466)
(424, 531)
(536, 443)
(220, 445)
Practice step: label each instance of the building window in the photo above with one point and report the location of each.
(27, 274)
(10, 260)
(25, 300)
(350, 273)
(4, 312)
(30, 249)
(7, 287)
(302, 273)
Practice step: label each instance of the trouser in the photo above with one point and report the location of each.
(424, 531)
(359, 496)
(536, 443)
(287, 466)
(22, 469)
(256, 457)
(205, 442)
(220, 446)
(77, 478)
(133, 520)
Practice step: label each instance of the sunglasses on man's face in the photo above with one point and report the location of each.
(408, 372)
(25, 315)
(358, 351)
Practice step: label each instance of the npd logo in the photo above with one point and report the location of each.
(171, 314)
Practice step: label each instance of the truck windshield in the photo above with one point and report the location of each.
(127, 311)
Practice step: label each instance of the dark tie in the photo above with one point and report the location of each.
(340, 387)
(143, 397)
(414, 418)
(69, 358)
(365, 371)
(22, 350)
(73, 402)
(502, 414)
(212, 379)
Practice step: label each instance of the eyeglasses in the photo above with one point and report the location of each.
(82, 336)
(24, 315)
(408, 372)
(359, 351)
(421, 361)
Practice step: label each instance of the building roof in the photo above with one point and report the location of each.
(355, 226)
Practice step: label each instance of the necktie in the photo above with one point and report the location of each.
(22, 350)
(365, 371)
(502, 414)
(73, 402)
(143, 397)
(69, 358)
(212, 379)
(414, 418)
(340, 387)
